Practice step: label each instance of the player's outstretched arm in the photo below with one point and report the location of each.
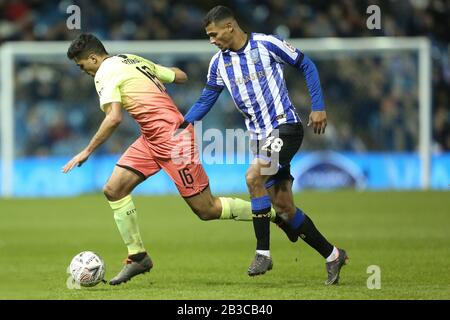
(112, 119)
(202, 106)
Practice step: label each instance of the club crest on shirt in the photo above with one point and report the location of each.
(254, 55)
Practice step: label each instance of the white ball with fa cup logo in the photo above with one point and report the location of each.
(87, 269)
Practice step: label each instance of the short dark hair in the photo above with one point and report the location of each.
(216, 14)
(84, 45)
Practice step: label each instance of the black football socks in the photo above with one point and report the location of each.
(308, 232)
(261, 221)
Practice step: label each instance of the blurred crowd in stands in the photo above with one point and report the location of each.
(372, 101)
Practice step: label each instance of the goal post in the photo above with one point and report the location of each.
(9, 51)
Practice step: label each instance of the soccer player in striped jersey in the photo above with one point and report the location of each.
(166, 142)
(251, 66)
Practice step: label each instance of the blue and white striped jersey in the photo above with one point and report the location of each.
(254, 77)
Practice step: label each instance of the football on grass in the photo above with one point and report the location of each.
(87, 269)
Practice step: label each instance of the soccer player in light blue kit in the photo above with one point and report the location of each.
(251, 66)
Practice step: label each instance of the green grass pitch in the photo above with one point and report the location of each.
(406, 234)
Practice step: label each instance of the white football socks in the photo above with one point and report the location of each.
(334, 255)
(264, 252)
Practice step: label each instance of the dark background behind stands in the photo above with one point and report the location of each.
(372, 102)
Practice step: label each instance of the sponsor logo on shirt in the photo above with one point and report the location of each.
(254, 55)
(247, 77)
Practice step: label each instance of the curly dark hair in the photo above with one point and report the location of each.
(84, 45)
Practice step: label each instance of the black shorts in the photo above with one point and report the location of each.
(279, 147)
